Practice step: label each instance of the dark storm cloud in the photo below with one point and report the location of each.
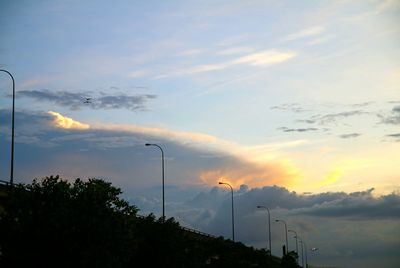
(357, 206)
(350, 135)
(78, 100)
(285, 129)
(331, 204)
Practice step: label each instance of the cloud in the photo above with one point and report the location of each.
(138, 73)
(362, 104)
(77, 100)
(321, 40)
(196, 158)
(235, 50)
(395, 136)
(285, 129)
(257, 59)
(118, 154)
(393, 118)
(308, 32)
(358, 205)
(66, 122)
(292, 107)
(350, 135)
(262, 58)
(333, 117)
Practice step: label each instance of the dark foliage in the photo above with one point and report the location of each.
(54, 223)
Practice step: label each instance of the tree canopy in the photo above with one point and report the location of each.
(56, 223)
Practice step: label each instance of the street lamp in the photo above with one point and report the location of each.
(162, 167)
(233, 217)
(287, 244)
(269, 228)
(297, 248)
(305, 245)
(302, 254)
(12, 128)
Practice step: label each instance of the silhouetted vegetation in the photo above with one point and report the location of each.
(54, 223)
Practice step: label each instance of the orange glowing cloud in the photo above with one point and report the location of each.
(255, 166)
(252, 174)
(61, 121)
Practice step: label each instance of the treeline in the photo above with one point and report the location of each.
(54, 223)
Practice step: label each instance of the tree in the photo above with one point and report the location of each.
(54, 223)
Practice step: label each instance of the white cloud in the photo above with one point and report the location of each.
(138, 73)
(259, 59)
(235, 50)
(266, 57)
(190, 52)
(321, 40)
(65, 122)
(313, 31)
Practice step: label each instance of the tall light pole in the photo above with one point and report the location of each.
(302, 254)
(297, 248)
(163, 187)
(287, 244)
(305, 245)
(269, 227)
(233, 217)
(12, 128)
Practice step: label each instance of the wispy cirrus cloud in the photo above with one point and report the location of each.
(396, 136)
(79, 100)
(138, 73)
(285, 129)
(235, 50)
(292, 107)
(258, 59)
(308, 32)
(350, 135)
(323, 119)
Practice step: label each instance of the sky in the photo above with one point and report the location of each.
(296, 104)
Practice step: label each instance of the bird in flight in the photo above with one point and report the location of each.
(87, 100)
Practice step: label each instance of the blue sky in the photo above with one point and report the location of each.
(302, 95)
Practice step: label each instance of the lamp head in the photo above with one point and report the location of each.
(220, 183)
(277, 220)
(147, 144)
(258, 206)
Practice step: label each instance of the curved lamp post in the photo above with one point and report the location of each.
(297, 248)
(233, 217)
(287, 244)
(269, 227)
(162, 167)
(12, 128)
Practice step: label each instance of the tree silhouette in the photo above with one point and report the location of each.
(55, 223)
